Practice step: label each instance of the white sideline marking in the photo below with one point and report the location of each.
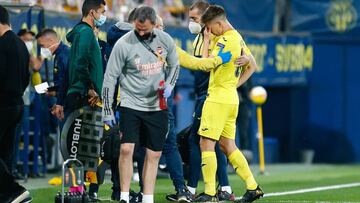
(315, 189)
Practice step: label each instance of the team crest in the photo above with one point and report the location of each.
(159, 50)
(341, 15)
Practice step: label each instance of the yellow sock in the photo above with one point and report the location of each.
(208, 167)
(241, 167)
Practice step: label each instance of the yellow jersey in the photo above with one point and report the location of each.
(223, 79)
(194, 63)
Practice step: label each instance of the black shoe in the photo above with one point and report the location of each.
(135, 197)
(23, 196)
(27, 200)
(203, 197)
(122, 201)
(225, 196)
(132, 194)
(115, 195)
(251, 195)
(183, 195)
(93, 197)
(171, 197)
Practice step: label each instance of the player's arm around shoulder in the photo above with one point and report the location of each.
(193, 63)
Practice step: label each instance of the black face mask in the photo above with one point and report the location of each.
(145, 36)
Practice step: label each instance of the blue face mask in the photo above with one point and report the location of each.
(99, 22)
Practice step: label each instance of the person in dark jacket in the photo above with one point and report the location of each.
(51, 45)
(103, 48)
(14, 78)
(85, 64)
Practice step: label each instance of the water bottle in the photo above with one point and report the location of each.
(162, 99)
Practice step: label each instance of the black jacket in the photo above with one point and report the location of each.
(14, 69)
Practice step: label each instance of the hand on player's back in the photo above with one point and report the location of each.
(242, 60)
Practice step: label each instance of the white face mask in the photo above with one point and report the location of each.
(195, 28)
(29, 45)
(45, 53)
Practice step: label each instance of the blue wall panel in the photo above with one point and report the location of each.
(352, 90)
(254, 15)
(326, 127)
(322, 115)
(326, 87)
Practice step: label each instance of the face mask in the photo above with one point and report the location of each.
(45, 53)
(29, 45)
(99, 22)
(195, 28)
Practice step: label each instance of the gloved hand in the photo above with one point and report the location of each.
(117, 116)
(225, 56)
(167, 91)
(110, 123)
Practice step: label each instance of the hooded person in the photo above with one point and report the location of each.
(119, 29)
(85, 64)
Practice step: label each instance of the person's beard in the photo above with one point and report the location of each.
(145, 36)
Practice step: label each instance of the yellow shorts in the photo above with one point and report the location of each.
(218, 120)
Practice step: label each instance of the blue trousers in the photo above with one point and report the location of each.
(195, 153)
(173, 158)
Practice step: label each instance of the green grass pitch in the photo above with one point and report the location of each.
(280, 178)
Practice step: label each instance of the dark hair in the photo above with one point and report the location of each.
(214, 11)
(131, 17)
(144, 13)
(23, 32)
(91, 4)
(200, 5)
(4, 16)
(46, 31)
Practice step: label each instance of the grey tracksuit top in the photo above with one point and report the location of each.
(139, 72)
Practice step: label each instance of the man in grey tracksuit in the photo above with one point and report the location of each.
(141, 59)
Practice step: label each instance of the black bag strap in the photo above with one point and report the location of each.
(148, 47)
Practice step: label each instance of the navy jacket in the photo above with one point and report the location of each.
(201, 78)
(61, 79)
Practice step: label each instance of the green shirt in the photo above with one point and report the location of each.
(85, 65)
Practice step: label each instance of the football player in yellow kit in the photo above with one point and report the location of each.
(221, 107)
